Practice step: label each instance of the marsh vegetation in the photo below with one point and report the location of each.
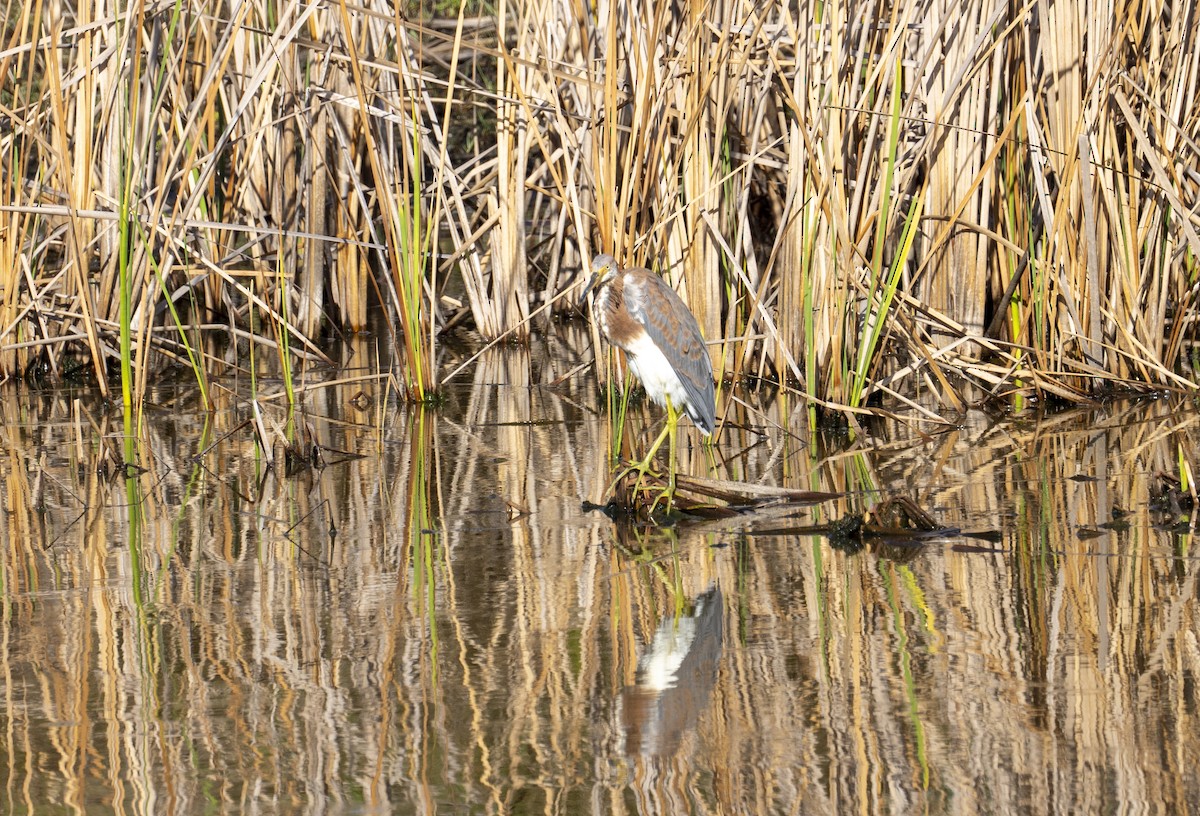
(861, 203)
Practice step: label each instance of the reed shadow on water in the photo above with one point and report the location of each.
(440, 599)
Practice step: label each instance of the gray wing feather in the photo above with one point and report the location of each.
(674, 329)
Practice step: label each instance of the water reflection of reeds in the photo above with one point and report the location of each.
(437, 625)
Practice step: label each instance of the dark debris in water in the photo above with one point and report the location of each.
(641, 498)
(1169, 496)
(298, 458)
(896, 529)
(975, 548)
(992, 536)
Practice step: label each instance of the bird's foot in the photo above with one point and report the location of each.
(642, 469)
(635, 479)
(639, 484)
(666, 495)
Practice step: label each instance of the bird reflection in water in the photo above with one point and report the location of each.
(675, 678)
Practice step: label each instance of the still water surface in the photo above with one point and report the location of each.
(438, 626)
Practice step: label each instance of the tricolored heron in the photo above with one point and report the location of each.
(640, 314)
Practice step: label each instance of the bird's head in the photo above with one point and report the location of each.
(604, 269)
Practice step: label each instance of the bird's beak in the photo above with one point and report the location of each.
(588, 289)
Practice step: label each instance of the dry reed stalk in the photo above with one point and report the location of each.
(693, 195)
(959, 113)
(78, 231)
(508, 296)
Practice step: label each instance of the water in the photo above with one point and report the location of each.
(439, 626)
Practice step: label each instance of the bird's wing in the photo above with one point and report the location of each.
(675, 331)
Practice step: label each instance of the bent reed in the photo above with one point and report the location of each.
(915, 205)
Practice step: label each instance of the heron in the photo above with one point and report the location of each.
(643, 316)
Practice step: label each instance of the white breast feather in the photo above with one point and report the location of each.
(656, 374)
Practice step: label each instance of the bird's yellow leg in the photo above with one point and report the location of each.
(671, 430)
(642, 467)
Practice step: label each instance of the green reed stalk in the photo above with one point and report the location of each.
(875, 329)
(194, 359)
(809, 305)
(252, 323)
(411, 269)
(126, 339)
(283, 332)
(124, 226)
(1015, 304)
(876, 314)
(618, 411)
